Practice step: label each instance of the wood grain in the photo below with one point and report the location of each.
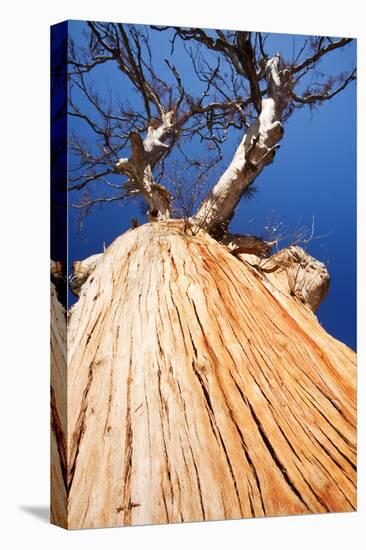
(58, 411)
(197, 390)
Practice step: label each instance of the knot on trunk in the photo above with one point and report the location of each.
(81, 271)
(308, 278)
(293, 272)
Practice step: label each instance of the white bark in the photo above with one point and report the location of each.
(156, 133)
(255, 151)
(139, 166)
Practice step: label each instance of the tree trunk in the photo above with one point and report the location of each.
(197, 390)
(255, 151)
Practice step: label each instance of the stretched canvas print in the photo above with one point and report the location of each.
(202, 274)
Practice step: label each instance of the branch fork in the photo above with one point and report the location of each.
(144, 155)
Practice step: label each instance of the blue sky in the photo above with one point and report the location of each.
(312, 177)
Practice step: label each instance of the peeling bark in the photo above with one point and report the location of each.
(197, 390)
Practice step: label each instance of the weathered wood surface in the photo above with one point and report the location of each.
(58, 411)
(197, 390)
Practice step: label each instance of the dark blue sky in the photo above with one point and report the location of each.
(312, 176)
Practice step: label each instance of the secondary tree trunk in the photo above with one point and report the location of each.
(197, 390)
(58, 411)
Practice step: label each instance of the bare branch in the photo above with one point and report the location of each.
(318, 97)
(320, 52)
(88, 179)
(239, 89)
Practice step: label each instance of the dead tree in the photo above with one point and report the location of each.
(201, 385)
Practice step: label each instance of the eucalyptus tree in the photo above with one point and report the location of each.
(201, 385)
